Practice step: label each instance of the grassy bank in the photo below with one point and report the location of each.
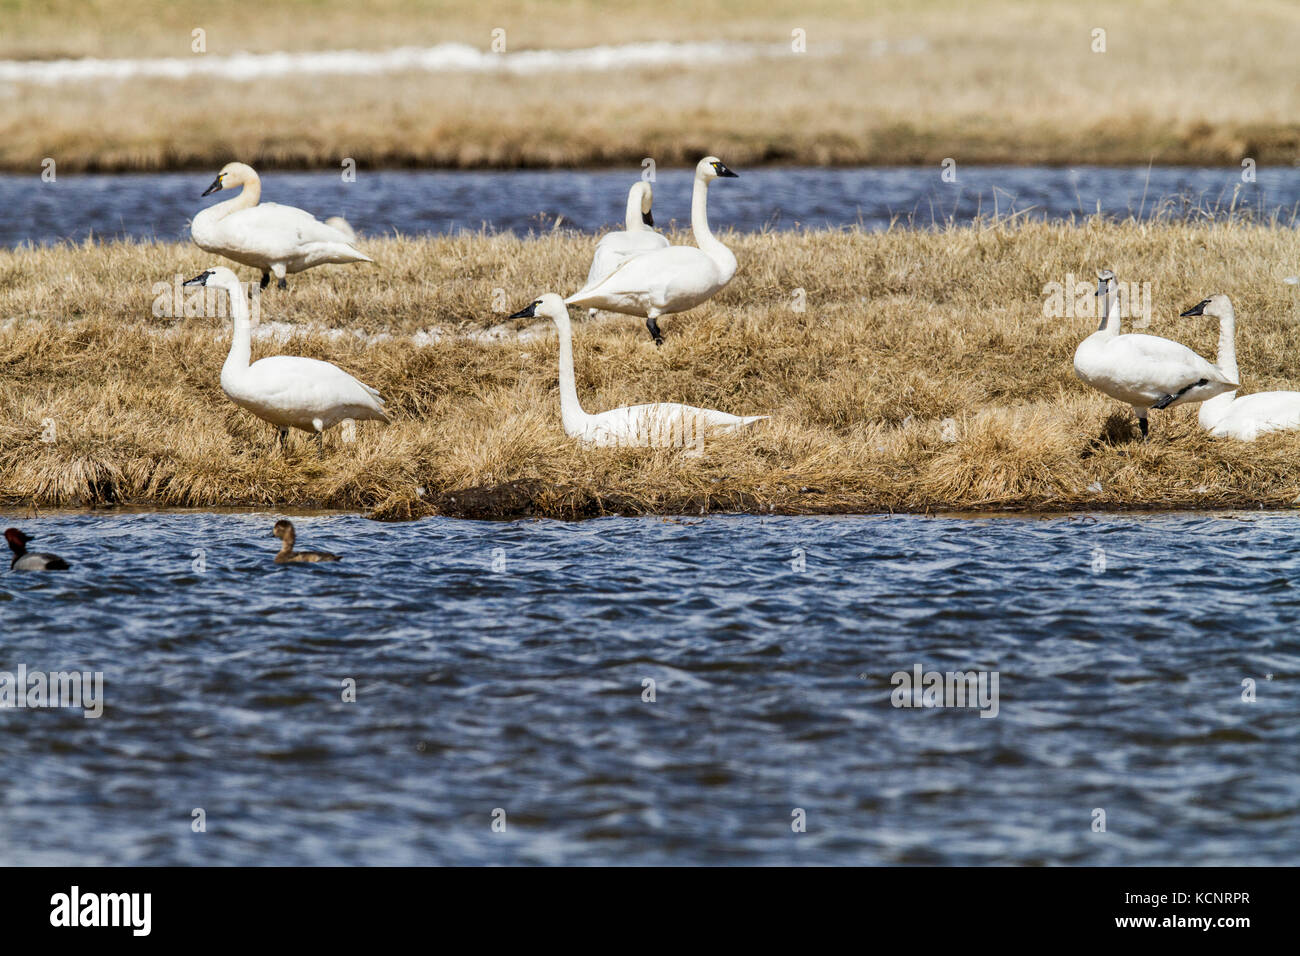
(923, 374)
(983, 82)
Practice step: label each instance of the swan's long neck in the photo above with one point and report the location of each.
(704, 238)
(571, 413)
(632, 218)
(1215, 408)
(241, 342)
(248, 197)
(1111, 325)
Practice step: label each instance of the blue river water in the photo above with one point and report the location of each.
(648, 691)
(160, 205)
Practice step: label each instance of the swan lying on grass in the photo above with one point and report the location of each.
(287, 391)
(637, 236)
(660, 425)
(1144, 371)
(1250, 416)
(276, 239)
(671, 279)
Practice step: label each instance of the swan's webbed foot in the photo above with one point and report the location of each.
(653, 325)
(266, 279)
(282, 284)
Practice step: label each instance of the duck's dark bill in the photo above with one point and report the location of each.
(527, 313)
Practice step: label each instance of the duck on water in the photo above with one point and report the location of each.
(25, 560)
(287, 555)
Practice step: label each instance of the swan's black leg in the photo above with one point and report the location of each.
(1142, 424)
(284, 437)
(282, 284)
(653, 326)
(320, 444)
(266, 279)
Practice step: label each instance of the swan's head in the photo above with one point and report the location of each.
(710, 168)
(647, 196)
(1104, 278)
(283, 530)
(218, 277)
(1217, 306)
(231, 175)
(549, 306)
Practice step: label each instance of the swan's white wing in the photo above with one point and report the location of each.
(670, 279)
(617, 246)
(273, 233)
(661, 425)
(302, 389)
(1143, 370)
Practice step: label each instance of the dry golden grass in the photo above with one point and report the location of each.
(1192, 81)
(902, 331)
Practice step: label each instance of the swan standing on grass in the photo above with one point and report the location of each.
(659, 425)
(276, 239)
(1250, 416)
(287, 391)
(672, 279)
(637, 236)
(1145, 371)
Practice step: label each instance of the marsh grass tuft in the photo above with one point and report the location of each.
(923, 374)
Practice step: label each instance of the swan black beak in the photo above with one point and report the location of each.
(648, 218)
(1198, 309)
(200, 279)
(724, 172)
(216, 185)
(527, 313)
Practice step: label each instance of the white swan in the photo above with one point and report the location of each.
(1250, 416)
(659, 425)
(1144, 371)
(287, 391)
(276, 239)
(637, 236)
(672, 279)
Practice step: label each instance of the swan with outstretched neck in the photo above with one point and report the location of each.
(25, 560)
(274, 238)
(1144, 371)
(1248, 417)
(284, 530)
(672, 279)
(662, 424)
(636, 237)
(285, 390)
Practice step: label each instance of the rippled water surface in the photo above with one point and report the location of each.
(503, 667)
(435, 202)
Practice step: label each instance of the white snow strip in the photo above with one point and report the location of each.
(445, 57)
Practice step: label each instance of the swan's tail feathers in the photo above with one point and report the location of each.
(342, 225)
(744, 421)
